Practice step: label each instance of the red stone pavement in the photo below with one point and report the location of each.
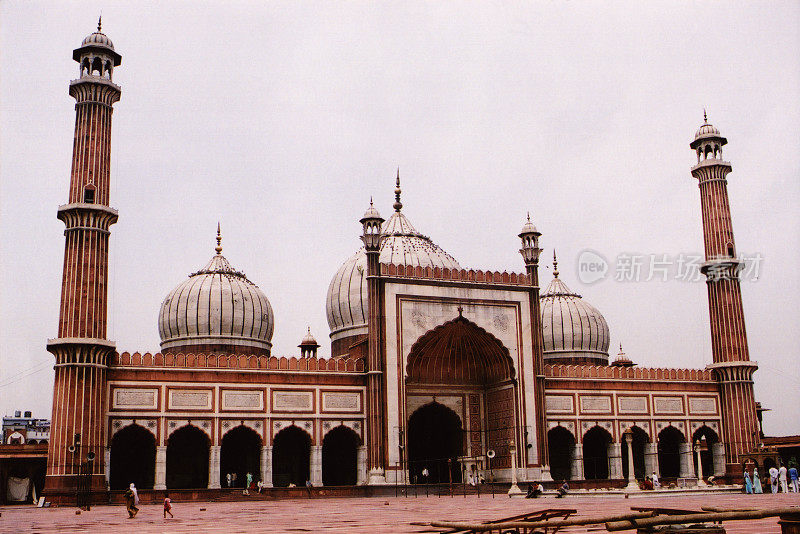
(359, 515)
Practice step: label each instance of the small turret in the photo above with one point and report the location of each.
(308, 346)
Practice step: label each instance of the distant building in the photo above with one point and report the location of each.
(24, 429)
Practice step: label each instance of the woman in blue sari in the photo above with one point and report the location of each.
(748, 486)
(756, 482)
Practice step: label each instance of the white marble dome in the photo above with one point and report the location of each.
(217, 308)
(346, 304)
(573, 330)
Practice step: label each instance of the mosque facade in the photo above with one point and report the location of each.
(437, 374)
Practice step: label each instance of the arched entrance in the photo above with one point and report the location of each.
(705, 438)
(471, 364)
(669, 454)
(595, 453)
(187, 458)
(560, 444)
(291, 453)
(133, 458)
(435, 441)
(241, 454)
(340, 457)
(639, 443)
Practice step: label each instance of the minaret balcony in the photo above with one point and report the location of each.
(81, 215)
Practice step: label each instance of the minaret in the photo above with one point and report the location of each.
(732, 366)
(530, 254)
(81, 349)
(371, 224)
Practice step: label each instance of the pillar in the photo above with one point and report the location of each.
(686, 463)
(316, 465)
(361, 465)
(718, 456)
(632, 485)
(651, 458)
(700, 481)
(576, 471)
(107, 458)
(161, 468)
(266, 465)
(614, 461)
(213, 467)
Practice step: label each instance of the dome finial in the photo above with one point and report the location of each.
(705, 116)
(397, 204)
(100, 24)
(219, 240)
(555, 264)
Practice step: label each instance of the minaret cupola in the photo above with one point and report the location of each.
(96, 55)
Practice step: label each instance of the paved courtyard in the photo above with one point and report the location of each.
(361, 515)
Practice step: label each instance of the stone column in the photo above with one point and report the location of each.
(514, 489)
(361, 465)
(718, 455)
(632, 485)
(266, 466)
(700, 481)
(316, 465)
(614, 461)
(651, 458)
(107, 458)
(213, 467)
(161, 468)
(686, 464)
(576, 471)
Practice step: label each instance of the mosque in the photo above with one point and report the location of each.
(438, 373)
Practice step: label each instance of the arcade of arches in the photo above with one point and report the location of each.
(459, 359)
(599, 457)
(190, 461)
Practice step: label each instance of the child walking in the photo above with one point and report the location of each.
(167, 506)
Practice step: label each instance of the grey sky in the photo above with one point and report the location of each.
(281, 119)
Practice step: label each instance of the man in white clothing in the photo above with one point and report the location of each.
(773, 479)
(782, 478)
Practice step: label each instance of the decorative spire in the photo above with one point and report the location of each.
(100, 24)
(397, 204)
(555, 264)
(705, 116)
(219, 240)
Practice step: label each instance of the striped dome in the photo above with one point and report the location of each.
(217, 308)
(346, 304)
(573, 330)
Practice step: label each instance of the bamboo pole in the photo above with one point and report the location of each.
(483, 527)
(629, 524)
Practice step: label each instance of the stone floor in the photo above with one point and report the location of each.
(362, 515)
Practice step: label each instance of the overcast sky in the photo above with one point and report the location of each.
(281, 119)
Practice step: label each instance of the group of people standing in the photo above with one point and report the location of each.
(779, 479)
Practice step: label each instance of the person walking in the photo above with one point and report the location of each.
(757, 482)
(131, 500)
(228, 480)
(748, 486)
(793, 478)
(773, 479)
(167, 506)
(782, 479)
(247, 481)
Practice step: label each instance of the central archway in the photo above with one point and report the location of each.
(340, 457)
(669, 456)
(291, 452)
(241, 454)
(595, 453)
(187, 458)
(133, 458)
(560, 444)
(469, 361)
(435, 441)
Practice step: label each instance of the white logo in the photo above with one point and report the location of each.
(592, 267)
